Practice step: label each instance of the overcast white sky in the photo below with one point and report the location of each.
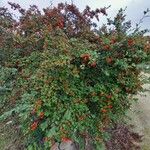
(134, 11)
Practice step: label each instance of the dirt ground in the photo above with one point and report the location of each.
(10, 137)
(140, 116)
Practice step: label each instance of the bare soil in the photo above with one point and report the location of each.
(140, 116)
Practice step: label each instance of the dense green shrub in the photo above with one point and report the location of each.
(71, 80)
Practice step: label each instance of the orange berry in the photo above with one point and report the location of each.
(60, 24)
(39, 102)
(34, 125)
(41, 115)
(81, 118)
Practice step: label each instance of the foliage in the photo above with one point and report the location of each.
(71, 80)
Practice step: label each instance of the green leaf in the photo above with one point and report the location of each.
(67, 115)
(99, 146)
(51, 132)
(30, 147)
(44, 125)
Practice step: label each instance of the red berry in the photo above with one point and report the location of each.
(113, 41)
(109, 60)
(45, 139)
(100, 41)
(130, 42)
(93, 64)
(64, 139)
(85, 57)
(104, 110)
(33, 111)
(110, 106)
(109, 96)
(60, 24)
(106, 47)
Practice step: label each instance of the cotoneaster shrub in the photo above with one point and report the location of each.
(71, 81)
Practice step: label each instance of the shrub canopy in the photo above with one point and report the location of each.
(65, 78)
